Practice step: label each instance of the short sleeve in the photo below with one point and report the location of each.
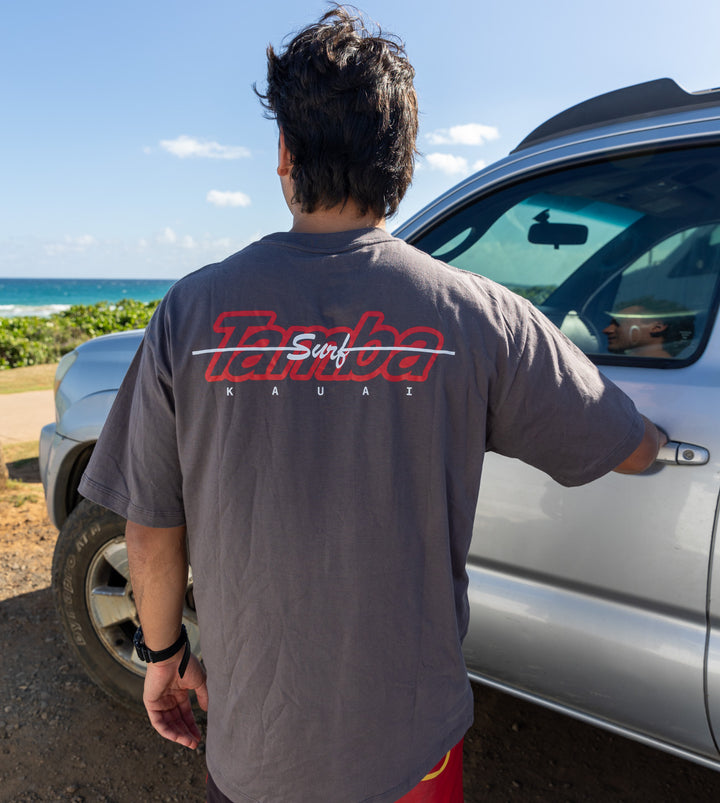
(134, 469)
(551, 407)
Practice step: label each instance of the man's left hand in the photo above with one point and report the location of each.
(167, 699)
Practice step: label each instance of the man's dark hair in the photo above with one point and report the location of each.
(345, 101)
(679, 321)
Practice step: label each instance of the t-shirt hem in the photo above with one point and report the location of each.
(123, 506)
(387, 795)
(401, 789)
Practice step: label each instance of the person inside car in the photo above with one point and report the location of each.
(650, 328)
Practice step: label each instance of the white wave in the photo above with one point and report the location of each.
(23, 310)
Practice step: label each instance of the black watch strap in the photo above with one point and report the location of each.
(153, 656)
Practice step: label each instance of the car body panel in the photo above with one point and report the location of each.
(595, 599)
(610, 658)
(99, 369)
(58, 457)
(586, 579)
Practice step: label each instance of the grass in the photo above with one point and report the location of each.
(16, 495)
(21, 460)
(34, 377)
(17, 452)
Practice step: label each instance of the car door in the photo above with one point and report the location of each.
(595, 599)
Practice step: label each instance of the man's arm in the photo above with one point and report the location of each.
(646, 453)
(158, 570)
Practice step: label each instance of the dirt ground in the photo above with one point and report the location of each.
(62, 740)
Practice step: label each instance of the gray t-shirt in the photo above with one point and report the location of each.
(316, 408)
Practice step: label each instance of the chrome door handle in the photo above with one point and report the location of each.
(683, 454)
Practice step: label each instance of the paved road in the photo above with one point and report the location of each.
(23, 415)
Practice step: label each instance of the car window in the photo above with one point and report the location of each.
(623, 255)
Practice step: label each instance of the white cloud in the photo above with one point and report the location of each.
(185, 147)
(479, 165)
(167, 237)
(228, 198)
(447, 163)
(70, 244)
(164, 253)
(469, 134)
(186, 242)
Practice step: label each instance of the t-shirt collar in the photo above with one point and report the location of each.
(332, 242)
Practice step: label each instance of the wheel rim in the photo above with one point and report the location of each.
(112, 610)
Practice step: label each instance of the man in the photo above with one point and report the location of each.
(312, 413)
(650, 328)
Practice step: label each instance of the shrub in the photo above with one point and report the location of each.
(33, 340)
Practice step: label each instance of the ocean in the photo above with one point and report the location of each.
(46, 296)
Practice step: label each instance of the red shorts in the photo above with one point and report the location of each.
(443, 784)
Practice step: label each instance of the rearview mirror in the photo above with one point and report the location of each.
(557, 234)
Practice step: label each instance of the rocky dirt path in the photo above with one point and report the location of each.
(63, 740)
(60, 738)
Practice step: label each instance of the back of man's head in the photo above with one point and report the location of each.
(345, 101)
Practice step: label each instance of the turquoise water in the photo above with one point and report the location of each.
(45, 296)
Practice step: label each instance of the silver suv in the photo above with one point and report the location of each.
(599, 601)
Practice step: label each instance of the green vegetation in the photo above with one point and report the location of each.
(20, 452)
(36, 341)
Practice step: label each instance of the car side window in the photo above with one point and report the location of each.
(622, 255)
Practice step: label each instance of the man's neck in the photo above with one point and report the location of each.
(344, 217)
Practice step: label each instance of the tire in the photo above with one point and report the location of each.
(94, 599)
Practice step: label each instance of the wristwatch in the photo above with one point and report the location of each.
(153, 656)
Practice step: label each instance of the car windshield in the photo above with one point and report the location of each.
(623, 254)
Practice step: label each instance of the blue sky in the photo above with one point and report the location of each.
(132, 144)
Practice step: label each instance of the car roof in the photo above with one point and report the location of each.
(635, 102)
(644, 115)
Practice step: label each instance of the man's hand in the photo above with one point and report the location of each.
(167, 699)
(646, 453)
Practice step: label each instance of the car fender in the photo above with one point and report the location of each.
(65, 448)
(84, 420)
